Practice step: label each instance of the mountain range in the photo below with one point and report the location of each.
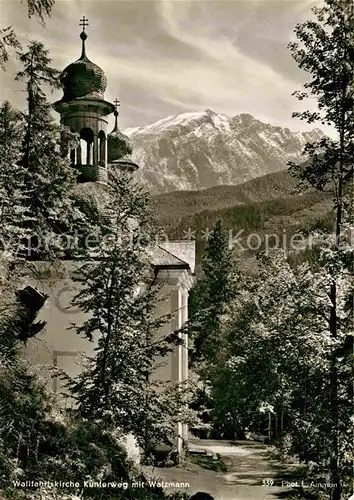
(267, 205)
(205, 166)
(201, 150)
(268, 202)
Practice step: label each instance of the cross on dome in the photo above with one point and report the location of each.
(83, 22)
(116, 113)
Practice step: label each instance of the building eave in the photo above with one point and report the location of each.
(63, 105)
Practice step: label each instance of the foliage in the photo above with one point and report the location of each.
(278, 332)
(325, 50)
(208, 303)
(13, 191)
(49, 178)
(8, 37)
(42, 443)
(40, 8)
(120, 292)
(38, 440)
(210, 296)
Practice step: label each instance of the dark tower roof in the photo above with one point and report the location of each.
(119, 144)
(83, 79)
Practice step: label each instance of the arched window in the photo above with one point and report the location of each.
(102, 148)
(69, 144)
(86, 144)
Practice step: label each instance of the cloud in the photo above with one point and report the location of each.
(167, 56)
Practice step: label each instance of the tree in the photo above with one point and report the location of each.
(211, 295)
(120, 295)
(276, 359)
(208, 303)
(8, 37)
(41, 442)
(40, 8)
(13, 210)
(49, 178)
(325, 50)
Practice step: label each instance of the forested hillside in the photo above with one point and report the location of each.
(268, 205)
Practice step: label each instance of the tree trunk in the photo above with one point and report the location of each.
(282, 419)
(269, 425)
(334, 461)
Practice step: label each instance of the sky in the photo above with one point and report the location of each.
(164, 57)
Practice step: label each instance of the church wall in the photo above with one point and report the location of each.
(59, 346)
(164, 371)
(174, 301)
(56, 345)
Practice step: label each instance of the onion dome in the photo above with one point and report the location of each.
(119, 144)
(125, 164)
(83, 79)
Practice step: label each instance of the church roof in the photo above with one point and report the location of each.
(182, 250)
(169, 254)
(162, 258)
(119, 144)
(83, 79)
(124, 164)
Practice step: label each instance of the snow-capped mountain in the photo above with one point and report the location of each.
(193, 151)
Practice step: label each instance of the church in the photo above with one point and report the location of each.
(84, 111)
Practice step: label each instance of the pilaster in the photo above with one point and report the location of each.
(95, 149)
(184, 359)
(176, 324)
(180, 282)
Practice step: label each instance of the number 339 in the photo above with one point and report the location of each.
(267, 482)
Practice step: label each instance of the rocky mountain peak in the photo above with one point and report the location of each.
(203, 149)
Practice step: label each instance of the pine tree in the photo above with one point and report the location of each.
(13, 215)
(120, 295)
(208, 303)
(40, 8)
(49, 178)
(211, 295)
(8, 38)
(13, 211)
(326, 51)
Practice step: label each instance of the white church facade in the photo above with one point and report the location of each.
(84, 111)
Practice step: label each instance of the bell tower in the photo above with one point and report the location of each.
(83, 110)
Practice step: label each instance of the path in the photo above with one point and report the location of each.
(248, 465)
